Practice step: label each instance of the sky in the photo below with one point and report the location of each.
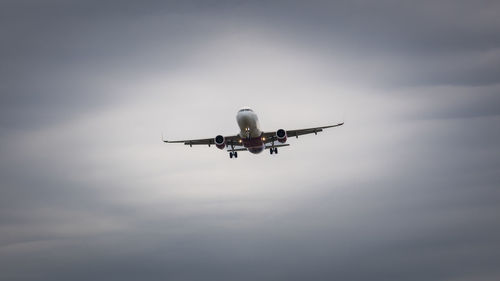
(407, 189)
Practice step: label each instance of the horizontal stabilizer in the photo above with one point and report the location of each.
(237, 149)
(268, 145)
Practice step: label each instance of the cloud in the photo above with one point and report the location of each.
(405, 190)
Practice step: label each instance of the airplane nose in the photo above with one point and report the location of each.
(243, 118)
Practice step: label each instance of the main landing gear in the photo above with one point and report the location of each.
(273, 150)
(233, 154)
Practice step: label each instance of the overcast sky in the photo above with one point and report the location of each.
(407, 189)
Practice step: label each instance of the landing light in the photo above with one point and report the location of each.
(263, 138)
(240, 141)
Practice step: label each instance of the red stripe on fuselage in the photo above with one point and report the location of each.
(253, 142)
(254, 145)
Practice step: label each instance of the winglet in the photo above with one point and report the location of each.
(163, 140)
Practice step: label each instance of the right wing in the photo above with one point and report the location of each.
(296, 133)
(271, 136)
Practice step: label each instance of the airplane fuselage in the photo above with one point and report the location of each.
(250, 132)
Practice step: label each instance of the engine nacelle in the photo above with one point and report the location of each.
(220, 142)
(281, 135)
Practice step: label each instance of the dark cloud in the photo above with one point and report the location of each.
(57, 51)
(406, 190)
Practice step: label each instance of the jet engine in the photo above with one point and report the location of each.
(220, 142)
(281, 135)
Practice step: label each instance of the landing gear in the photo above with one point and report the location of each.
(273, 150)
(232, 152)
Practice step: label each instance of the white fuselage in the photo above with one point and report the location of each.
(248, 123)
(250, 133)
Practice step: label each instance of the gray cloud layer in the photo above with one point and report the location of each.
(407, 190)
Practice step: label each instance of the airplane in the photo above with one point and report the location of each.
(251, 138)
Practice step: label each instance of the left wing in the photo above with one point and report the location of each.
(271, 136)
(211, 141)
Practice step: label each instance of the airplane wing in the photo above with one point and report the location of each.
(229, 140)
(271, 136)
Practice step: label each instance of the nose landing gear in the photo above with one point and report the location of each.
(273, 150)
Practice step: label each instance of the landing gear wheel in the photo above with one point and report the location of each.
(230, 155)
(275, 150)
(235, 154)
(271, 151)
